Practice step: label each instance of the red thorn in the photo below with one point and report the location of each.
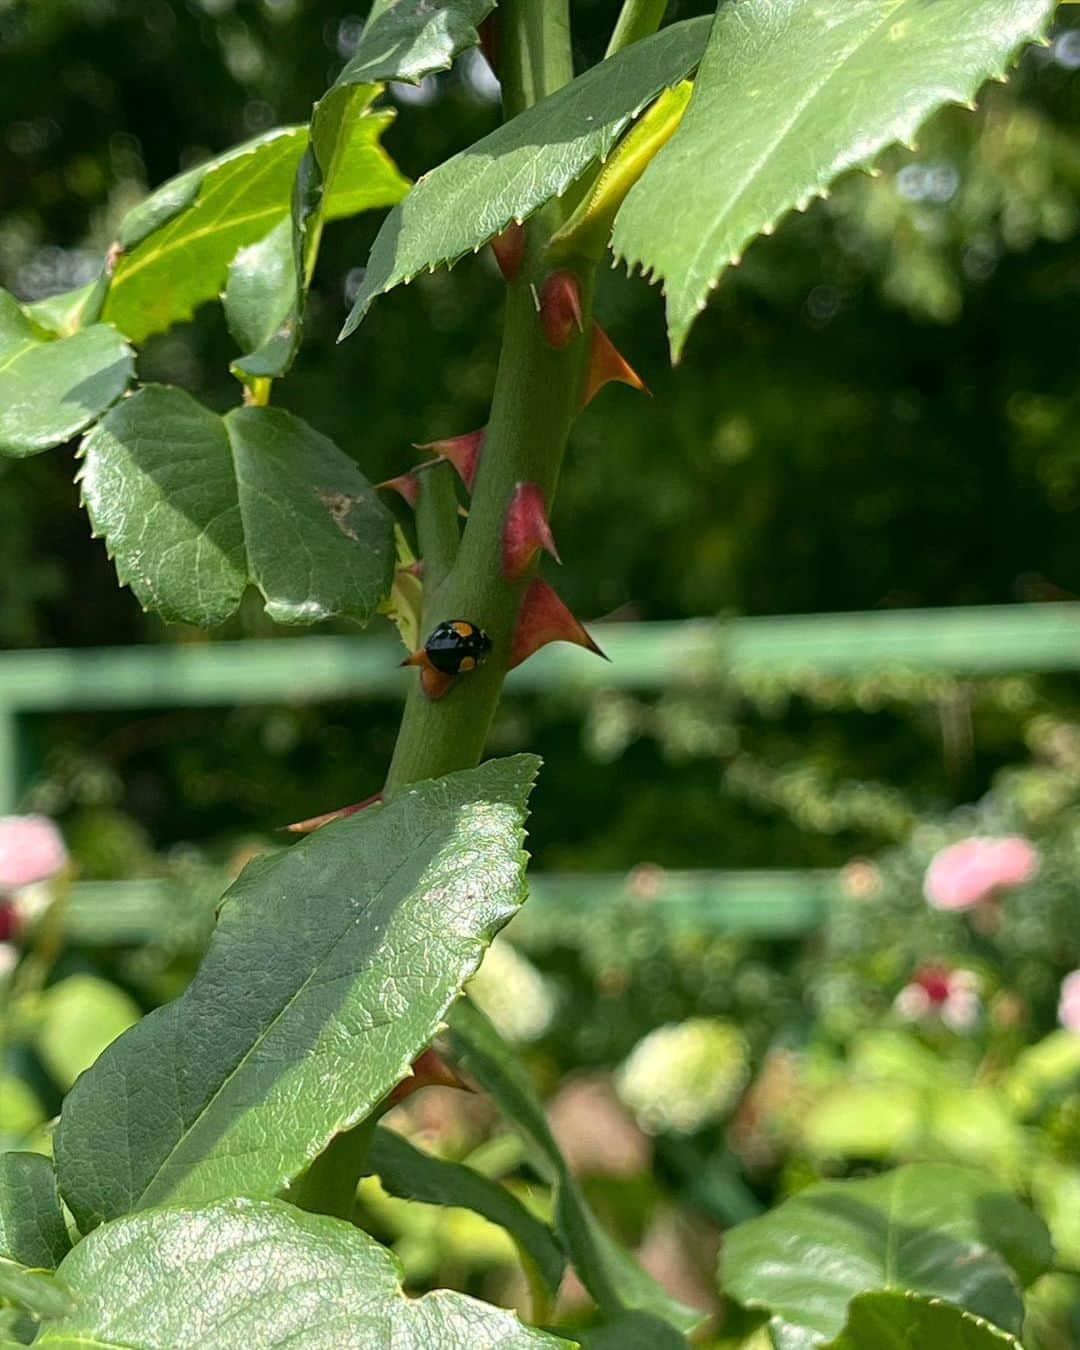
(414, 569)
(607, 363)
(428, 1070)
(316, 822)
(434, 683)
(544, 618)
(525, 531)
(509, 249)
(463, 452)
(560, 307)
(406, 484)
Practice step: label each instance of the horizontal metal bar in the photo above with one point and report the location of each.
(967, 641)
(560, 908)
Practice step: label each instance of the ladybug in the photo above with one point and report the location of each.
(455, 646)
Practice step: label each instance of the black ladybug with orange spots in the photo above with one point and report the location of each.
(456, 646)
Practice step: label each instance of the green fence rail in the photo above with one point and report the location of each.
(759, 904)
(960, 642)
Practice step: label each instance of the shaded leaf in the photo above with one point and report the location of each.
(36, 1291)
(409, 1174)
(413, 38)
(194, 507)
(32, 1228)
(612, 1277)
(906, 1322)
(936, 1230)
(524, 163)
(343, 171)
(261, 1274)
(50, 390)
(331, 967)
(791, 94)
(64, 314)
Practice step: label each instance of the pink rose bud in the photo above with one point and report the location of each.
(31, 850)
(965, 874)
(1069, 1007)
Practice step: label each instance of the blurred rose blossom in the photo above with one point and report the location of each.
(1069, 1007)
(31, 850)
(965, 874)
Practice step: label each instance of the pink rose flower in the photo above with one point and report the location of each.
(1069, 1007)
(31, 850)
(967, 873)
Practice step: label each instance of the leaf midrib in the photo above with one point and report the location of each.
(301, 988)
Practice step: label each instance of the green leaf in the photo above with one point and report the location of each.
(907, 1322)
(249, 1274)
(50, 390)
(80, 1016)
(194, 507)
(940, 1231)
(344, 171)
(178, 243)
(414, 38)
(37, 1291)
(64, 314)
(790, 95)
(331, 967)
(32, 1228)
(612, 1277)
(460, 205)
(409, 1174)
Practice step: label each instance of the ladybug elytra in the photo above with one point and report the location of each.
(456, 646)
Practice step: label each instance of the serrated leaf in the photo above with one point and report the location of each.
(32, 1228)
(413, 38)
(50, 390)
(260, 293)
(409, 1174)
(934, 1230)
(526, 162)
(178, 244)
(906, 1322)
(38, 1292)
(790, 95)
(194, 506)
(331, 967)
(612, 1277)
(241, 1274)
(79, 1017)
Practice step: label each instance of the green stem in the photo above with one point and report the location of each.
(535, 402)
(437, 531)
(329, 1184)
(637, 19)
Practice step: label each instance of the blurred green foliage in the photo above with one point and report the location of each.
(879, 409)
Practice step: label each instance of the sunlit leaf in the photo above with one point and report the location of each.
(791, 94)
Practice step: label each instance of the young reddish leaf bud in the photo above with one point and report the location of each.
(560, 307)
(429, 1070)
(544, 618)
(463, 452)
(607, 363)
(405, 484)
(316, 822)
(525, 531)
(509, 250)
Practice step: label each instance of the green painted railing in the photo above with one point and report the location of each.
(973, 641)
(957, 642)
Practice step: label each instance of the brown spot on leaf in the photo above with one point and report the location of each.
(340, 505)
